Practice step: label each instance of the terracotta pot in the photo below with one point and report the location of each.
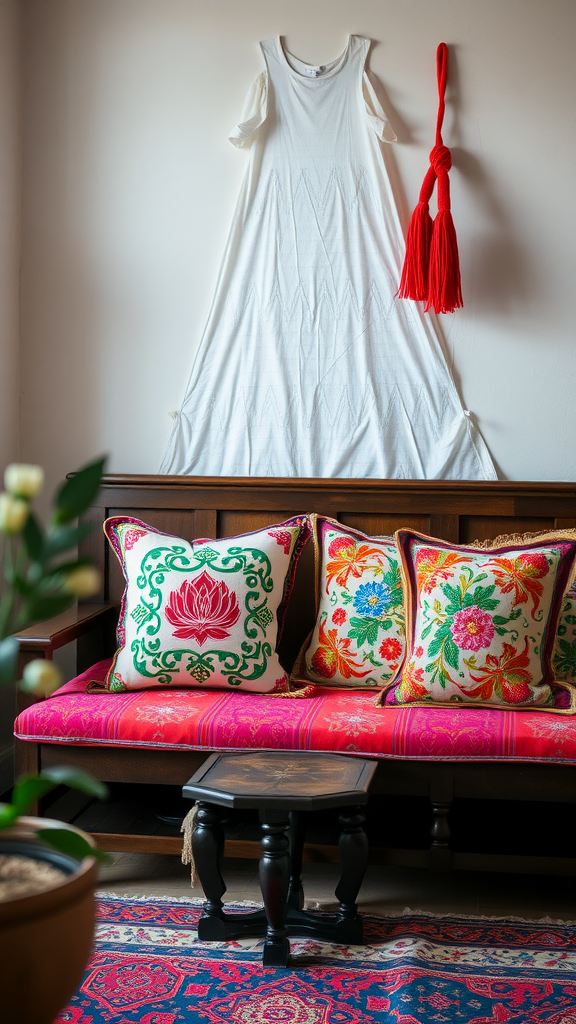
(45, 939)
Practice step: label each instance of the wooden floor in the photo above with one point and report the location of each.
(386, 890)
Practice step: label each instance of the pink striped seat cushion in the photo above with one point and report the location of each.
(342, 721)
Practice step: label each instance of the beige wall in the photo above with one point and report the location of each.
(10, 170)
(130, 185)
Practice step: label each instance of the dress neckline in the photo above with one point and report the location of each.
(312, 72)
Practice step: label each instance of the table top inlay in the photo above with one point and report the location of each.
(303, 779)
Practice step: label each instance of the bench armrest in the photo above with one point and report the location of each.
(44, 637)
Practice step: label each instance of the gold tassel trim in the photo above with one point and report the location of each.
(188, 827)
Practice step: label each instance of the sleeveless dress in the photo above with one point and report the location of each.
(309, 366)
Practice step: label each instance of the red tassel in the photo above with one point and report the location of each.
(444, 291)
(431, 271)
(414, 283)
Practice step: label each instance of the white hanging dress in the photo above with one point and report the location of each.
(309, 366)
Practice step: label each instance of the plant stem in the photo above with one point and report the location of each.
(7, 603)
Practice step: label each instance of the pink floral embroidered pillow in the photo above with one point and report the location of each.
(208, 613)
(481, 623)
(358, 640)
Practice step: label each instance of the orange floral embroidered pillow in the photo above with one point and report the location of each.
(481, 623)
(358, 640)
(207, 613)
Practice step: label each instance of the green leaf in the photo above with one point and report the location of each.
(482, 598)
(66, 841)
(499, 620)
(20, 585)
(40, 608)
(364, 630)
(370, 657)
(8, 814)
(78, 493)
(435, 646)
(62, 538)
(8, 659)
(346, 598)
(76, 779)
(453, 594)
(451, 653)
(564, 660)
(570, 619)
(33, 538)
(55, 579)
(29, 788)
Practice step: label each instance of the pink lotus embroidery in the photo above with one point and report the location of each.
(202, 609)
(472, 628)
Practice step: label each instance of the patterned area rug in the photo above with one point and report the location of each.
(149, 968)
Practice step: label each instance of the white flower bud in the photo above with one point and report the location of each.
(83, 581)
(23, 481)
(41, 677)
(13, 513)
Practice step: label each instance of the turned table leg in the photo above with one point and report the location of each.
(297, 836)
(353, 847)
(207, 848)
(274, 881)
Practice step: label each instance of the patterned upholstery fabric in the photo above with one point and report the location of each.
(342, 721)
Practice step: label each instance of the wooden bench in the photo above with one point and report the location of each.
(192, 507)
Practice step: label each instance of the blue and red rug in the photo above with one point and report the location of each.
(149, 968)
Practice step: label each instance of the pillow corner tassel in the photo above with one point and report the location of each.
(431, 270)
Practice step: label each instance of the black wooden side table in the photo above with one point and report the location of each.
(280, 785)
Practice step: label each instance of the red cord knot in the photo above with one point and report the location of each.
(441, 158)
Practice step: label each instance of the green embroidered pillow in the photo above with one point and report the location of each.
(564, 655)
(481, 622)
(207, 613)
(358, 639)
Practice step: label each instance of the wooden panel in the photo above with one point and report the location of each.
(206, 523)
(446, 526)
(235, 521)
(180, 522)
(487, 527)
(384, 524)
(110, 764)
(545, 505)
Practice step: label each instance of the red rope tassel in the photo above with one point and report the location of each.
(431, 271)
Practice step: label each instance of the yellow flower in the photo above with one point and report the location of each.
(13, 513)
(23, 481)
(83, 581)
(41, 677)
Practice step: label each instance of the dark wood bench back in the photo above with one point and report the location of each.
(191, 507)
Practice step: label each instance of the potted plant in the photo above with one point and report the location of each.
(47, 869)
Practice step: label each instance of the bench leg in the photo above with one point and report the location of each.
(440, 852)
(274, 881)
